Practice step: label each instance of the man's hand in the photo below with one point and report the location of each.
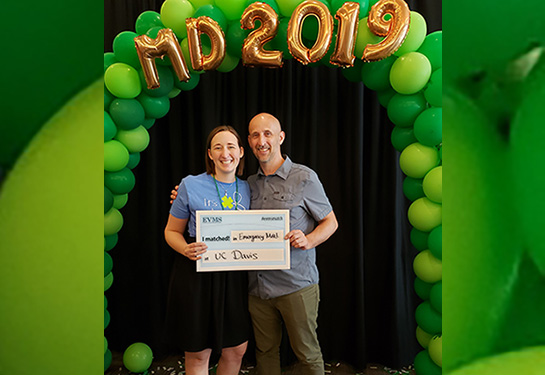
(174, 194)
(298, 239)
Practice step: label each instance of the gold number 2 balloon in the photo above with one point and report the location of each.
(394, 29)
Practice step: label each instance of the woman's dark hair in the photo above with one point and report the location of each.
(210, 166)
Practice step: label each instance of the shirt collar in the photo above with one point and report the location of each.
(282, 171)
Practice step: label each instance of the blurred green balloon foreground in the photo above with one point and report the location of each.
(51, 237)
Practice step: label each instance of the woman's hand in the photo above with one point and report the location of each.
(173, 194)
(194, 250)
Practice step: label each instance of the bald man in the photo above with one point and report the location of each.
(288, 296)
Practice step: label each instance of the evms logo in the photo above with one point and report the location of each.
(211, 219)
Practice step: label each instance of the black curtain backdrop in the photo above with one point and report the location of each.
(332, 125)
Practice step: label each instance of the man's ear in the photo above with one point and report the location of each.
(282, 137)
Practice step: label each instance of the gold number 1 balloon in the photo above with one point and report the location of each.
(346, 34)
(395, 29)
(165, 44)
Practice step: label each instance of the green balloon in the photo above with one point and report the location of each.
(106, 318)
(427, 268)
(422, 288)
(436, 296)
(108, 199)
(435, 242)
(135, 140)
(234, 38)
(310, 26)
(127, 113)
(232, 9)
(105, 340)
(108, 281)
(432, 48)
(137, 357)
(228, 64)
(410, 73)
(154, 107)
(109, 59)
(353, 74)
(148, 123)
(110, 241)
(364, 37)
(113, 221)
(417, 160)
(134, 159)
(216, 13)
(384, 96)
(173, 15)
(423, 337)
(125, 49)
(116, 156)
(272, 3)
(280, 41)
(424, 365)
(120, 201)
(152, 33)
(108, 264)
(419, 239)
(404, 109)
(166, 82)
(402, 137)
(288, 6)
(188, 85)
(108, 98)
(147, 20)
(412, 188)
(434, 90)
(122, 80)
(416, 35)
(107, 360)
(428, 127)
(424, 214)
(376, 74)
(120, 182)
(174, 93)
(433, 185)
(110, 129)
(435, 350)
(428, 319)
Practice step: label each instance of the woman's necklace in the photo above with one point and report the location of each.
(226, 201)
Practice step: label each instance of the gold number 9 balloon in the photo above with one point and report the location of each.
(253, 53)
(295, 26)
(395, 29)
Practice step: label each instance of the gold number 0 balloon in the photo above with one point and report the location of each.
(165, 44)
(253, 53)
(395, 29)
(295, 26)
(206, 25)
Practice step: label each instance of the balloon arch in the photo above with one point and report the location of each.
(401, 62)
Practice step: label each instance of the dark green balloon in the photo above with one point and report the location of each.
(110, 129)
(419, 239)
(234, 38)
(428, 319)
(148, 123)
(310, 25)
(166, 82)
(110, 241)
(109, 59)
(404, 109)
(108, 199)
(106, 318)
(105, 303)
(280, 41)
(402, 137)
(422, 288)
(435, 242)
(188, 85)
(213, 12)
(385, 96)
(121, 182)
(434, 91)
(108, 99)
(412, 188)
(125, 49)
(127, 113)
(353, 74)
(134, 159)
(154, 107)
(428, 127)
(152, 33)
(376, 75)
(107, 360)
(108, 263)
(424, 365)
(146, 21)
(272, 3)
(436, 296)
(432, 48)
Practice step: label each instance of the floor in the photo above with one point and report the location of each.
(174, 366)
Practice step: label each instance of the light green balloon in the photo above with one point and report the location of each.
(228, 64)
(113, 221)
(410, 73)
(135, 140)
(232, 9)
(199, 3)
(425, 215)
(122, 80)
(50, 319)
(108, 281)
(173, 15)
(527, 361)
(435, 350)
(427, 267)
(433, 184)
(116, 156)
(415, 36)
(423, 337)
(417, 160)
(364, 37)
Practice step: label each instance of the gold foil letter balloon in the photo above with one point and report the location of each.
(205, 25)
(394, 29)
(347, 16)
(253, 53)
(325, 29)
(165, 44)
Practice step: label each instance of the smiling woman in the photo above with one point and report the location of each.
(334, 125)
